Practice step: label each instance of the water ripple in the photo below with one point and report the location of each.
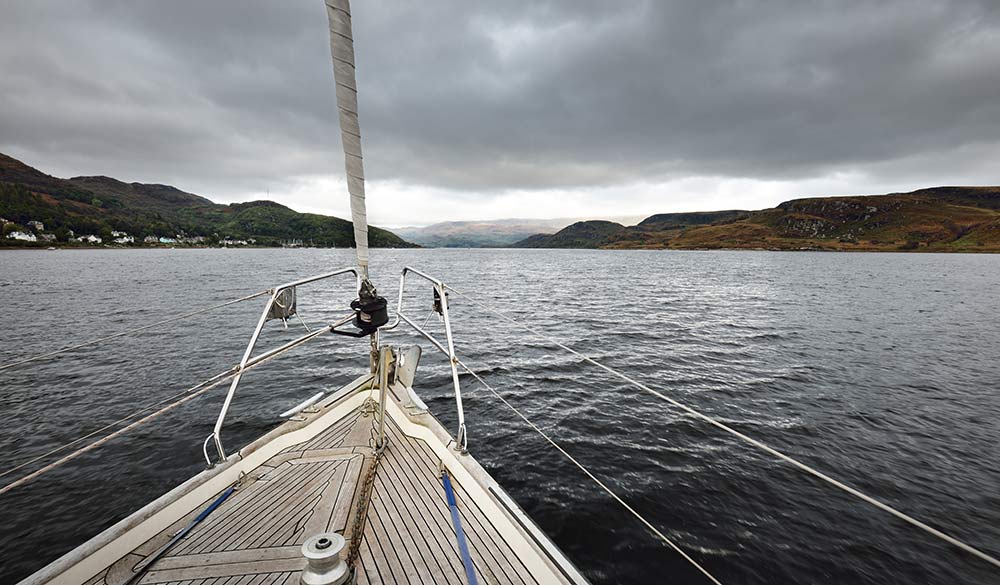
(877, 368)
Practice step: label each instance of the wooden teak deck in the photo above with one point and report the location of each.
(305, 478)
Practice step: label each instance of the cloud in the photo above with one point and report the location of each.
(488, 109)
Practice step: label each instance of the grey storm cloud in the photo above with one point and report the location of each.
(225, 97)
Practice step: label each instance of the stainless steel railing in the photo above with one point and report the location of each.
(216, 434)
(447, 347)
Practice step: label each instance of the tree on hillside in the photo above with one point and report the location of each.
(9, 228)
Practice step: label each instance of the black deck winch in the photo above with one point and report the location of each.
(370, 314)
(370, 311)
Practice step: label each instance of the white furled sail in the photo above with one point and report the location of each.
(342, 49)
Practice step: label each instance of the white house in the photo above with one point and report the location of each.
(166, 240)
(24, 237)
(90, 239)
(150, 240)
(124, 239)
(39, 226)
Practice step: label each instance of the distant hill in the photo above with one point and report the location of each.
(941, 219)
(666, 221)
(100, 205)
(582, 234)
(480, 234)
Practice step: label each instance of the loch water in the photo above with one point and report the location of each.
(881, 370)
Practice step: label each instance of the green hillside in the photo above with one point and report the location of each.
(102, 205)
(582, 234)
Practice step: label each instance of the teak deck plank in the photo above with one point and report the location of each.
(446, 567)
(488, 550)
(255, 536)
(427, 489)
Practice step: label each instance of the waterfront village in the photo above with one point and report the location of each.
(34, 232)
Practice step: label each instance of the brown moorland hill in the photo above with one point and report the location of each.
(941, 219)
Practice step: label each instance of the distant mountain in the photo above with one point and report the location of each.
(582, 234)
(480, 234)
(100, 205)
(941, 219)
(496, 233)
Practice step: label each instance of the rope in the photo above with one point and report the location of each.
(308, 330)
(600, 483)
(130, 331)
(762, 446)
(187, 394)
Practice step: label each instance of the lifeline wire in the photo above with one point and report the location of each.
(604, 487)
(187, 394)
(217, 378)
(131, 331)
(764, 447)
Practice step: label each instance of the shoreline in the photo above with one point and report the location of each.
(785, 250)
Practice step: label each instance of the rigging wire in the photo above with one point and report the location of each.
(184, 396)
(192, 393)
(130, 331)
(600, 483)
(110, 425)
(750, 440)
(308, 330)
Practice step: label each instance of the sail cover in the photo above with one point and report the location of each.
(342, 49)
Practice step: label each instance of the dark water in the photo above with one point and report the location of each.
(880, 369)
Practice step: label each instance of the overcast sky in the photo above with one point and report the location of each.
(479, 110)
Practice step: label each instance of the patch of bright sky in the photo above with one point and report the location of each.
(394, 204)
